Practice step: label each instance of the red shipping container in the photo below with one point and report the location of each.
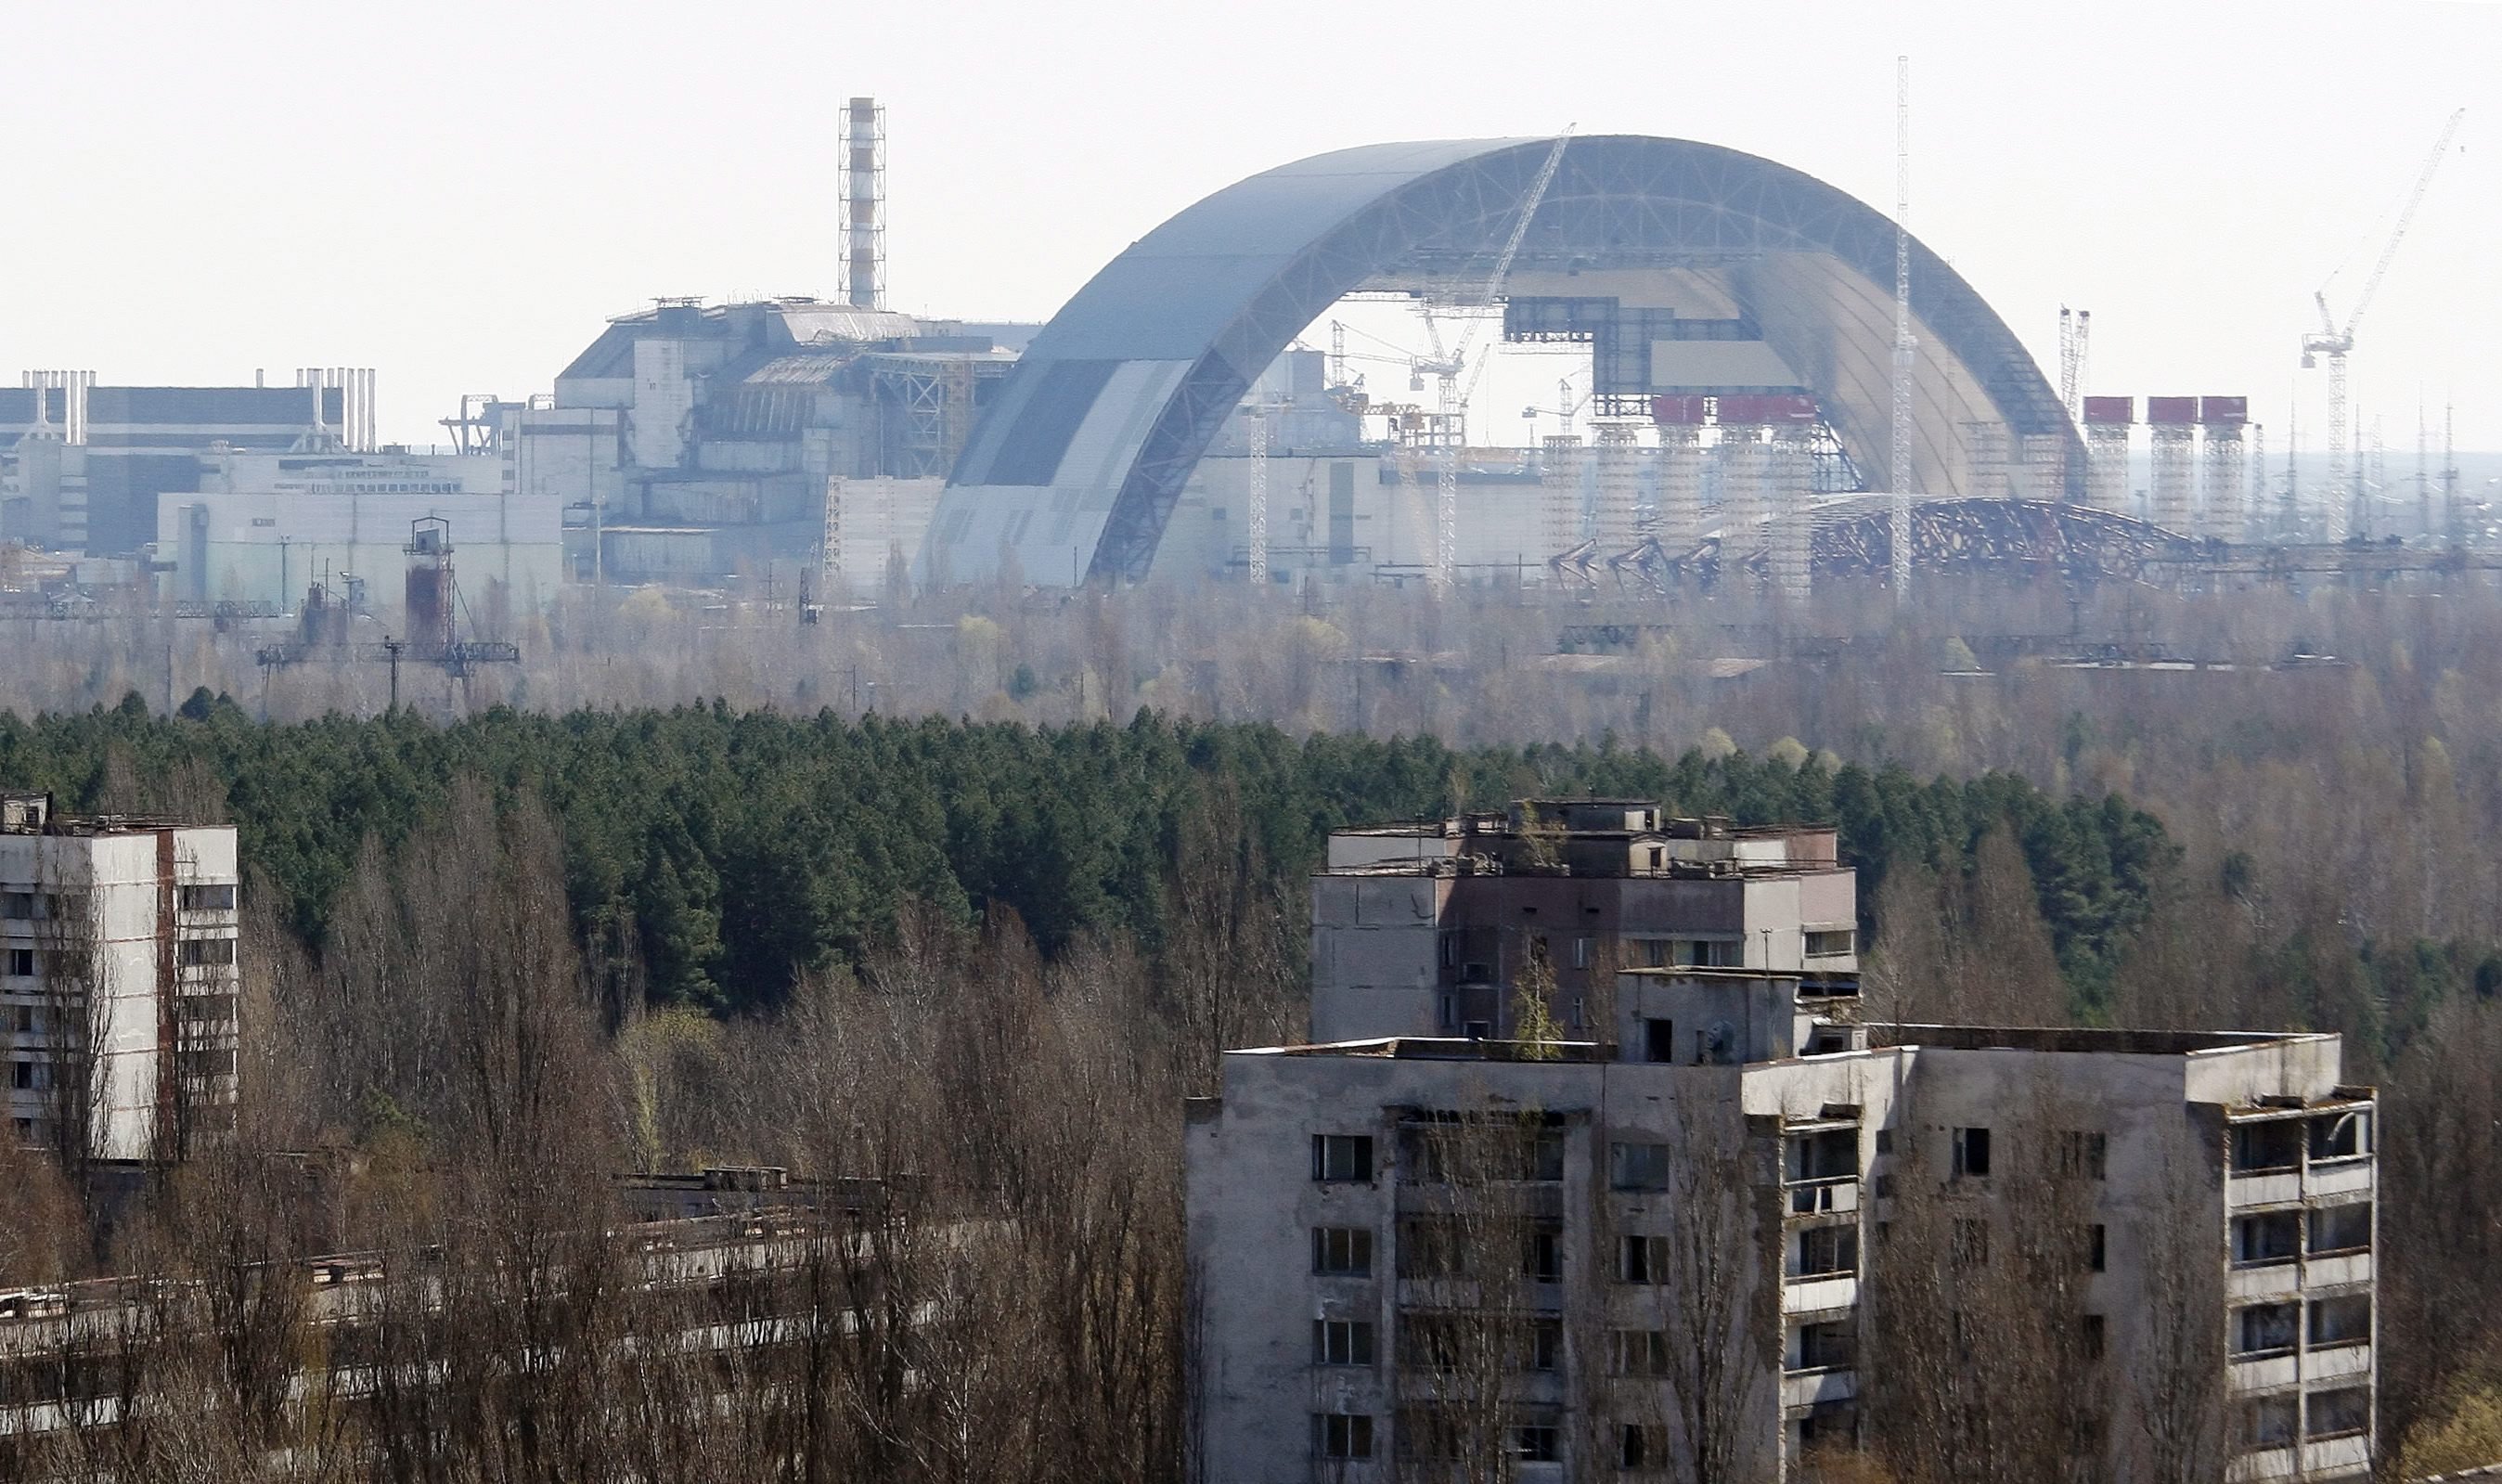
(2172, 412)
(1680, 408)
(2122, 410)
(2224, 412)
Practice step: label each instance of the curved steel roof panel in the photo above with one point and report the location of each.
(1196, 308)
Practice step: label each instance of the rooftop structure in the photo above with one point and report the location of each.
(119, 980)
(1434, 928)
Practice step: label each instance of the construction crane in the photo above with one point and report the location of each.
(1450, 423)
(2336, 344)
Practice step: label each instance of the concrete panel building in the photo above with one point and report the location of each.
(1733, 1222)
(119, 975)
(1430, 928)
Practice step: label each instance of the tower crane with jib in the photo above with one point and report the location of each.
(2335, 343)
(1448, 368)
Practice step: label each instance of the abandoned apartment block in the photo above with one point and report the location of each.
(119, 980)
(1431, 1246)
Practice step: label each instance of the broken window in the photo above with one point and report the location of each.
(1545, 1348)
(17, 906)
(2081, 1153)
(2345, 1320)
(205, 899)
(2341, 1228)
(21, 963)
(1971, 1153)
(2267, 1146)
(1640, 1352)
(1541, 1255)
(1342, 1156)
(2264, 1329)
(1829, 1345)
(1640, 1259)
(1637, 1166)
(1537, 1443)
(2335, 1413)
(2341, 1135)
(1343, 1434)
(1341, 1343)
(2270, 1238)
(2098, 1248)
(1659, 1040)
(1641, 1446)
(1344, 1252)
(1831, 1155)
(1431, 1247)
(1826, 1252)
(2269, 1421)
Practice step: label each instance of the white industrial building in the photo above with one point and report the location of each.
(1659, 1239)
(265, 526)
(117, 968)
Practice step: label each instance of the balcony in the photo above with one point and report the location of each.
(2264, 1373)
(2262, 1464)
(2268, 1187)
(1810, 1387)
(2334, 1361)
(2278, 1279)
(1819, 1293)
(2349, 1456)
(2337, 1270)
(2340, 1177)
(1836, 1196)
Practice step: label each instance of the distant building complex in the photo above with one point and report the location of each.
(1660, 1240)
(119, 980)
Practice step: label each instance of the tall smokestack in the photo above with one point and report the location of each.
(864, 205)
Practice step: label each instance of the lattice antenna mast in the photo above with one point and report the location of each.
(1906, 351)
(864, 205)
(1455, 398)
(2335, 344)
(2085, 362)
(2450, 513)
(1255, 536)
(2067, 362)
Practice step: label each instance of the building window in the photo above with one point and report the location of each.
(2098, 1248)
(1659, 1040)
(1545, 1345)
(1341, 1343)
(30, 1076)
(2089, 1336)
(1654, 953)
(1342, 1252)
(1830, 945)
(21, 963)
(2264, 1329)
(2341, 1137)
(1637, 1166)
(17, 906)
(1640, 1446)
(2341, 1229)
(1830, 1345)
(199, 953)
(1342, 1156)
(2081, 1153)
(1537, 1443)
(2346, 1319)
(26, 1019)
(1640, 1259)
(2266, 1239)
(205, 899)
(2337, 1413)
(1343, 1434)
(2269, 1422)
(1971, 1154)
(1970, 1242)
(1640, 1352)
(2273, 1145)
(1825, 1252)
(1541, 1255)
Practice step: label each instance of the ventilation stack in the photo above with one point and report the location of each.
(1559, 494)
(864, 205)
(1681, 473)
(1618, 527)
(2107, 420)
(2227, 515)
(2173, 423)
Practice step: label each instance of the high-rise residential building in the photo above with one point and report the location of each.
(119, 980)
(1735, 1222)
(1431, 929)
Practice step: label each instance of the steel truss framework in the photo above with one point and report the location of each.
(1620, 201)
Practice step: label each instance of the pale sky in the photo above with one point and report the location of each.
(459, 193)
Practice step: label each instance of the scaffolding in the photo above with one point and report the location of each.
(2171, 422)
(2108, 421)
(1617, 528)
(1561, 521)
(2225, 515)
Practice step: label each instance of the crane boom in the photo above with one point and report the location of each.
(2406, 218)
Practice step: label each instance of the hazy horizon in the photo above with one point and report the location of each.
(460, 200)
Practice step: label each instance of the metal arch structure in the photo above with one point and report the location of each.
(1072, 472)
